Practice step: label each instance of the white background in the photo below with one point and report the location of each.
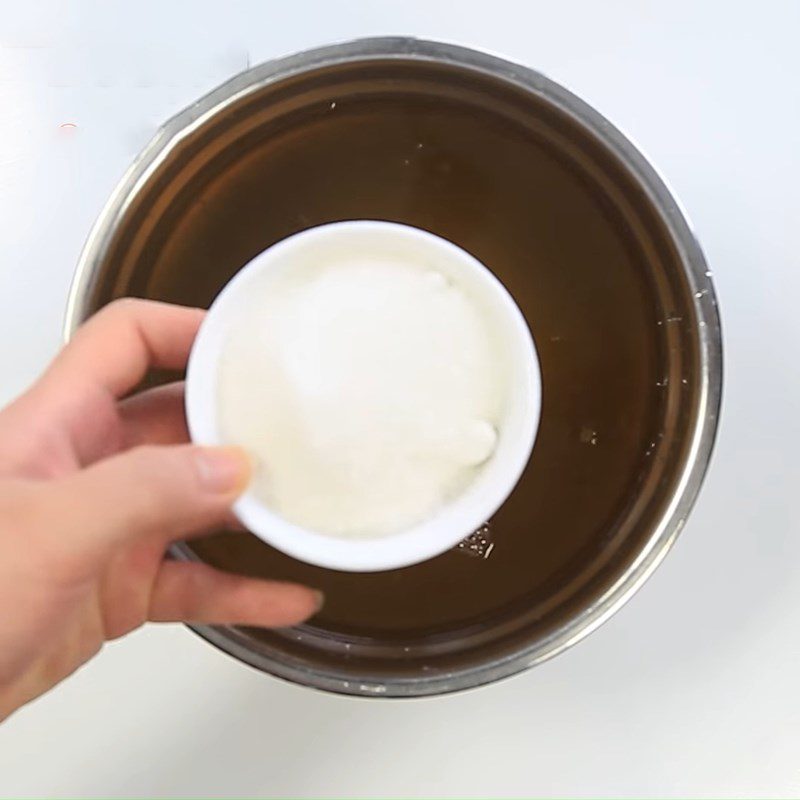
(694, 687)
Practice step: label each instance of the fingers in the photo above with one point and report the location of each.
(190, 592)
(162, 492)
(156, 416)
(116, 347)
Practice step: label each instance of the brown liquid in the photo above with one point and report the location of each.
(567, 253)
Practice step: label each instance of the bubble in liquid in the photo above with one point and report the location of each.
(588, 436)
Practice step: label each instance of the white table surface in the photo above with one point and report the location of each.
(694, 687)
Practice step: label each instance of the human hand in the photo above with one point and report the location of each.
(93, 488)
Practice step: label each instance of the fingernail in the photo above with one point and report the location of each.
(320, 599)
(223, 469)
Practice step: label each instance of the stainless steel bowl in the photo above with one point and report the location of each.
(584, 233)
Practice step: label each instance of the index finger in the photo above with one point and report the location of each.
(116, 347)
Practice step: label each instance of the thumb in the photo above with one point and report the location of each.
(168, 492)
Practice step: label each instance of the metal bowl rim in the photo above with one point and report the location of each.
(232, 640)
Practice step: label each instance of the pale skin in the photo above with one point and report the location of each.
(94, 488)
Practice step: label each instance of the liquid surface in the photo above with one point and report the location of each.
(569, 258)
(367, 384)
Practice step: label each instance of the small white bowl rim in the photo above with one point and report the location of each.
(426, 539)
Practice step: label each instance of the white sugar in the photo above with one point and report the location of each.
(368, 389)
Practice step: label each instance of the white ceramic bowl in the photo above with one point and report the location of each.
(494, 480)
